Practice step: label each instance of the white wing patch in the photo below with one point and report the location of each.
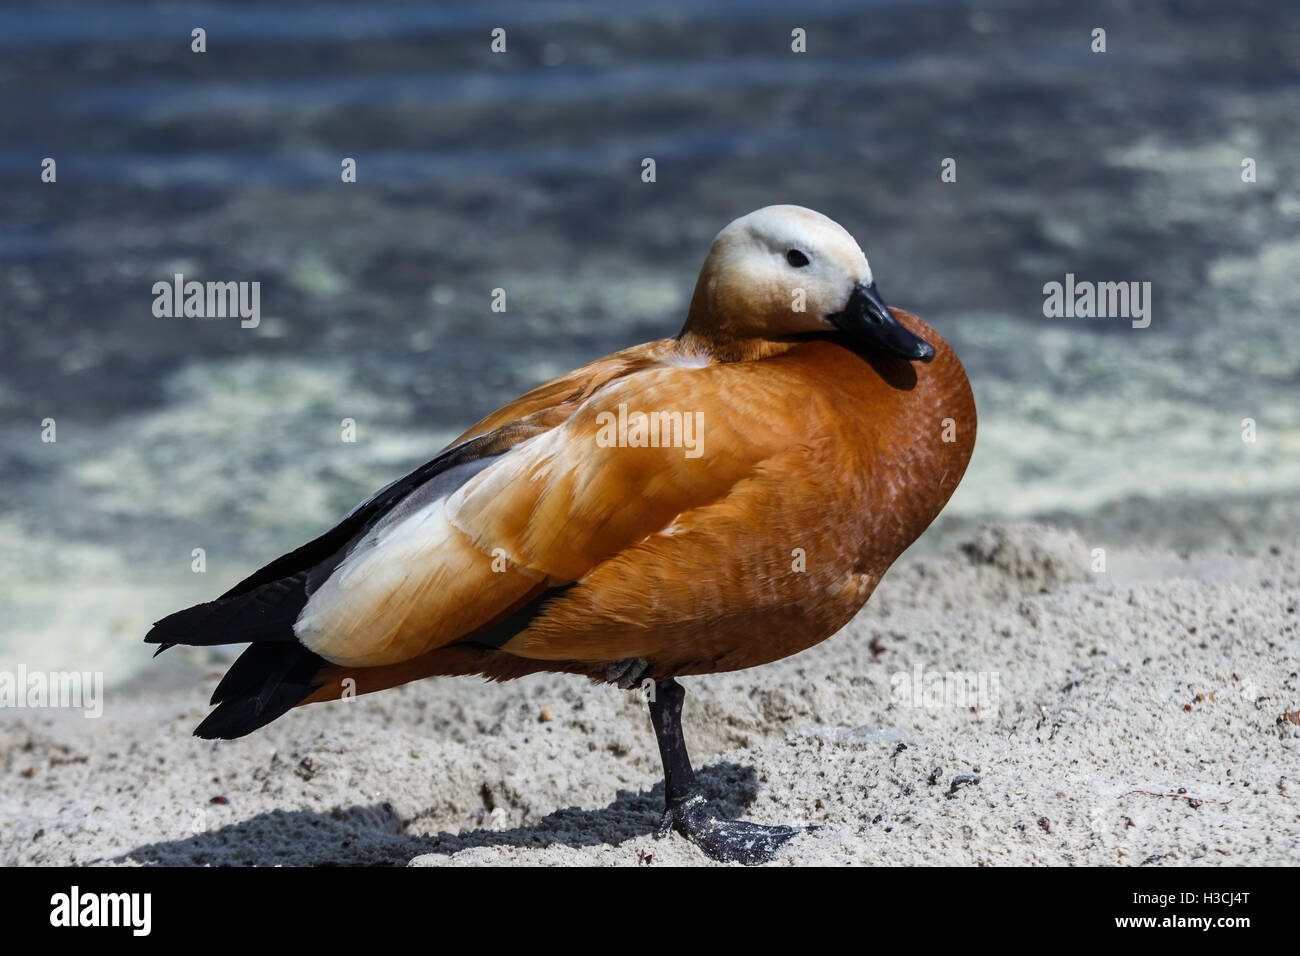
(410, 584)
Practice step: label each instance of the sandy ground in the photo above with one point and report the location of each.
(1130, 717)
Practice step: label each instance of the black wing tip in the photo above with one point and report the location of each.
(159, 635)
(171, 630)
(266, 614)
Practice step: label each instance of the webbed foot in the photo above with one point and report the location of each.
(727, 841)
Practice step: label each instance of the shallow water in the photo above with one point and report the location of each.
(522, 171)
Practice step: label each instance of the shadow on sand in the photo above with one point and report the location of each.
(375, 835)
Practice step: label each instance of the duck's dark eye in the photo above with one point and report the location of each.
(796, 258)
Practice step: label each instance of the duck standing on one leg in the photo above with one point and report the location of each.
(705, 503)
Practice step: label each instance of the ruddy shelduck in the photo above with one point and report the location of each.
(703, 503)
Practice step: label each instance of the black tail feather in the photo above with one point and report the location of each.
(276, 672)
(272, 675)
(265, 682)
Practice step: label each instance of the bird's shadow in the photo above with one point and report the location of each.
(375, 835)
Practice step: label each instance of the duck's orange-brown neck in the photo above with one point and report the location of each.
(724, 346)
(725, 330)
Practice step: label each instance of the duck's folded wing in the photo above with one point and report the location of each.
(451, 562)
(531, 414)
(265, 605)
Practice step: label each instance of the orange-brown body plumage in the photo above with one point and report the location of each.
(819, 466)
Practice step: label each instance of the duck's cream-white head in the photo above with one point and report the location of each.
(785, 271)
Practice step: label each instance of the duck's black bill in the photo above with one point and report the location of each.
(867, 319)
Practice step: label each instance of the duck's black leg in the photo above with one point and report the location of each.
(687, 812)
